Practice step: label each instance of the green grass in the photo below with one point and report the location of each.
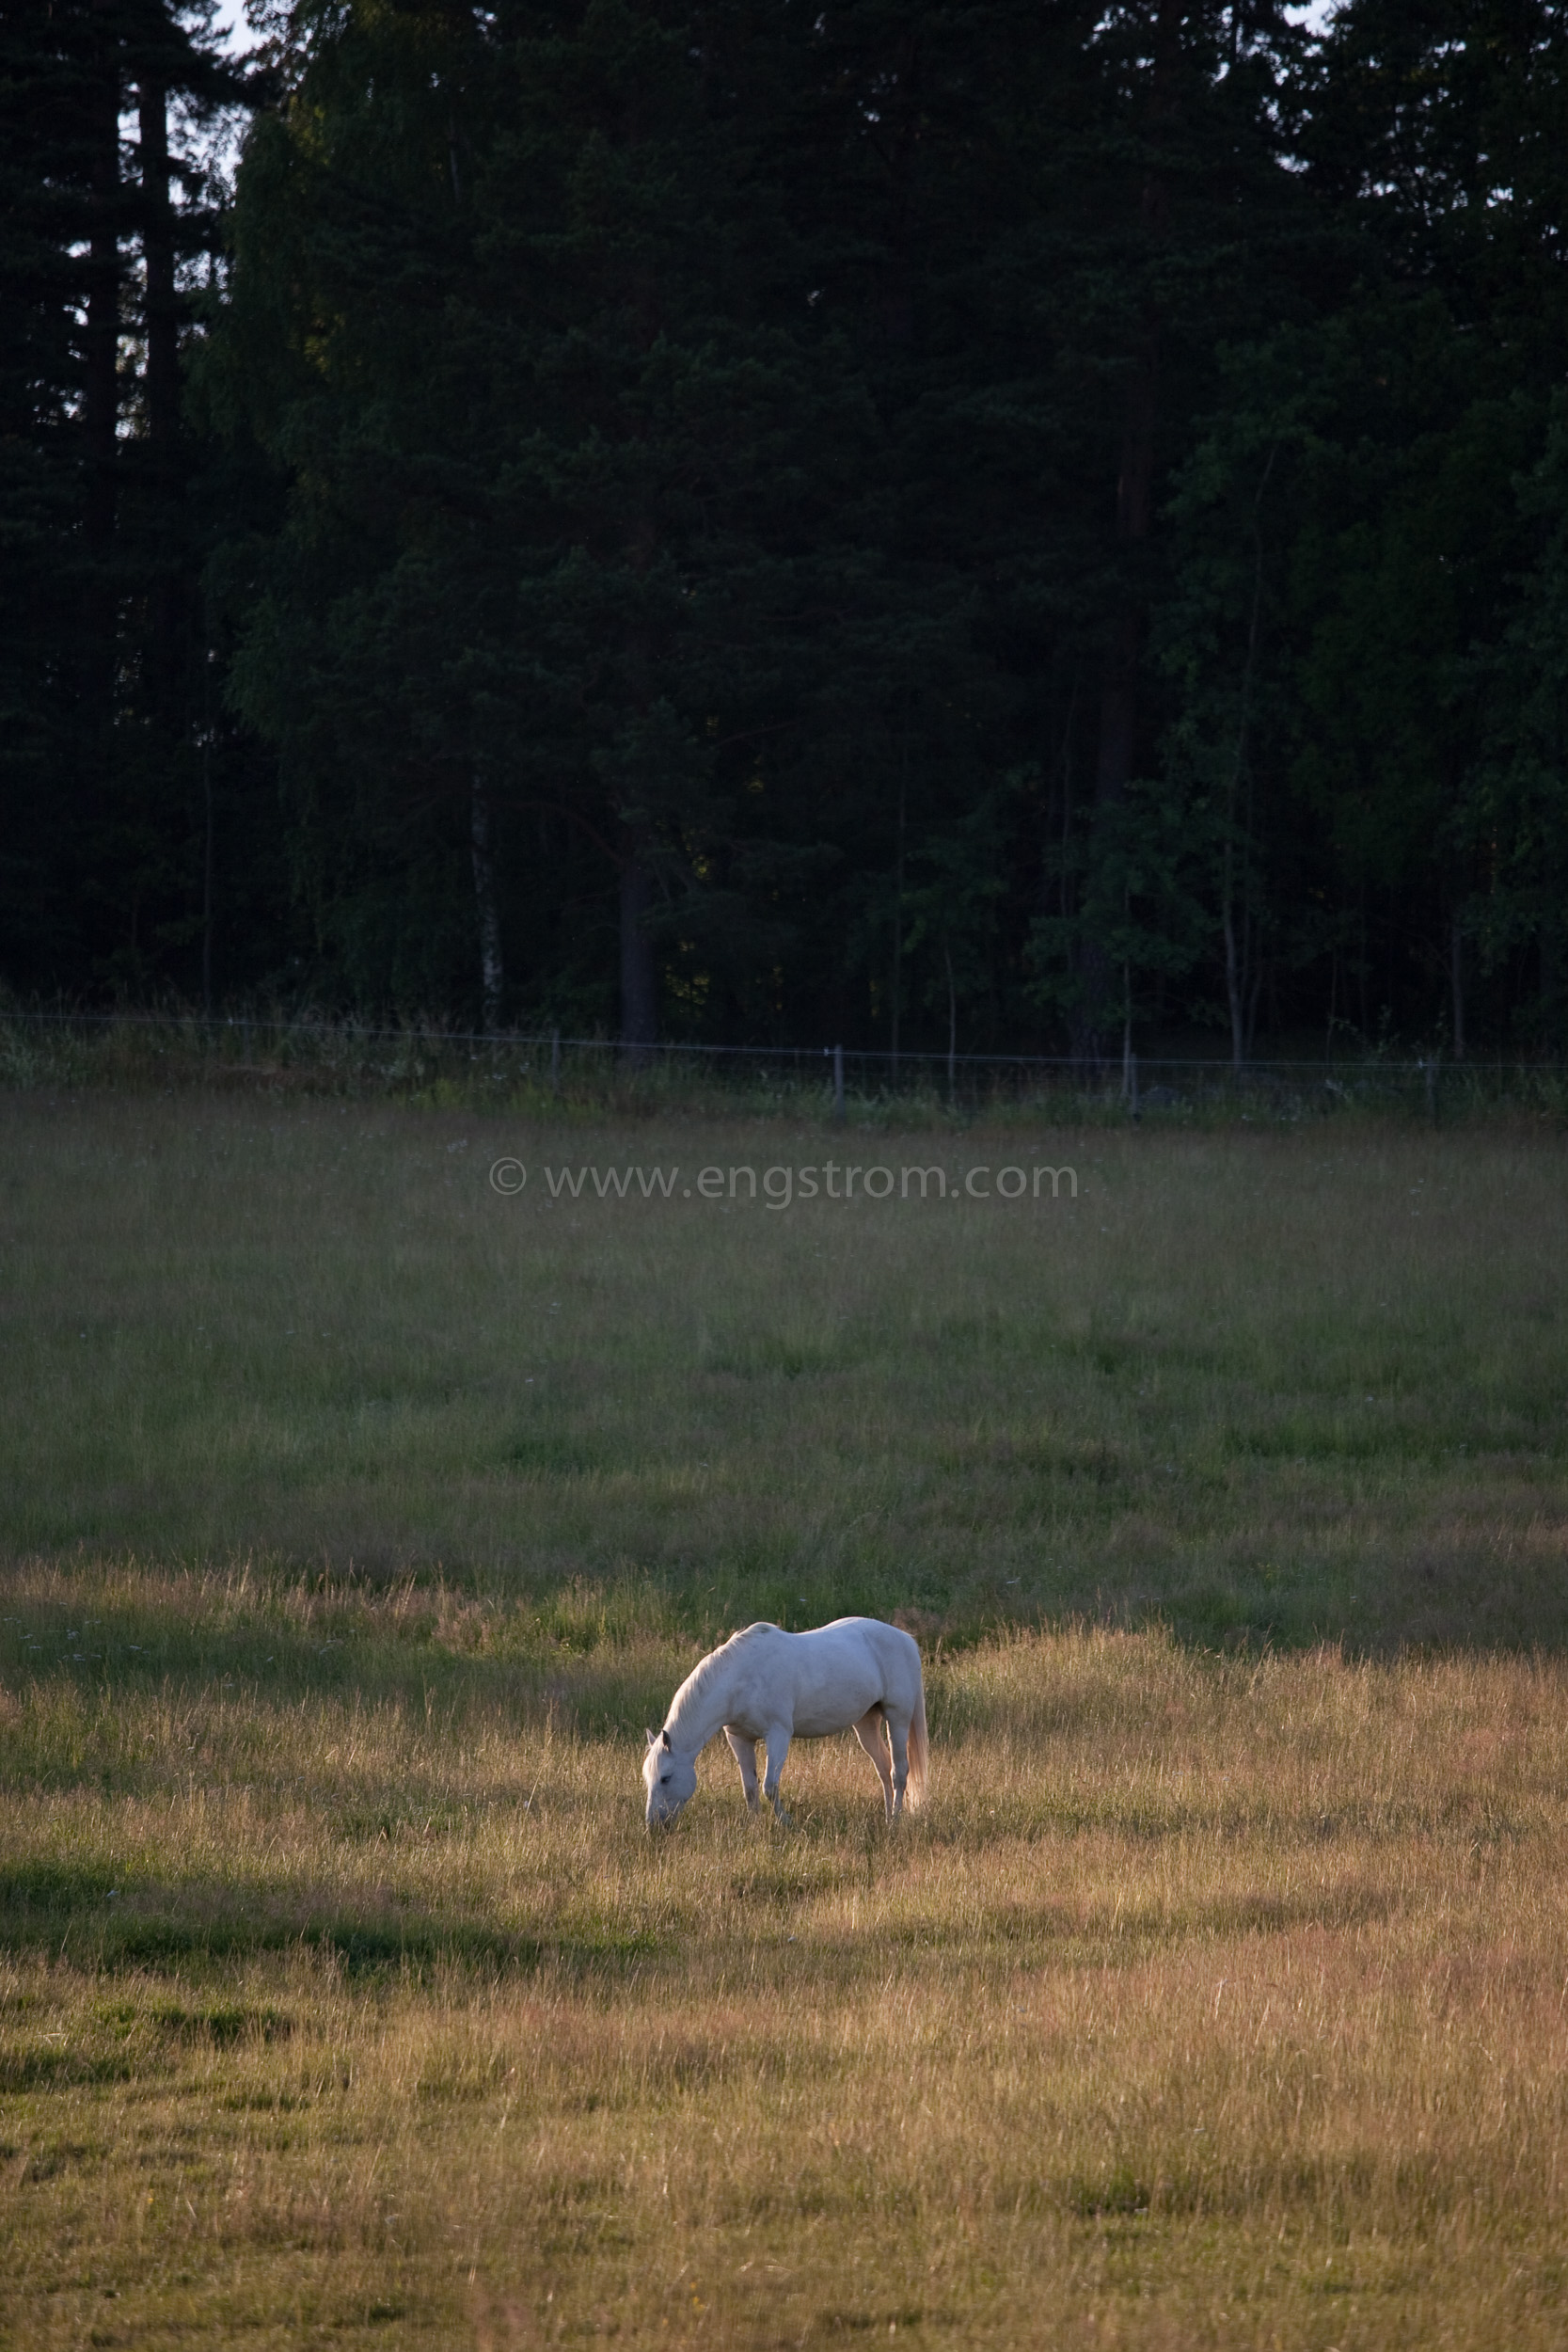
(354, 1519)
(1291, 1386)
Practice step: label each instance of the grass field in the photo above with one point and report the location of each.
(355, 1517)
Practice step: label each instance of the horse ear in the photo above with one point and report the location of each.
(653, 1737)
(665, 1737)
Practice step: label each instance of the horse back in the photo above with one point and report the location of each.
(821, 1680)
(845, 1669)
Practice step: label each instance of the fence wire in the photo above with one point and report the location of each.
(315, 1051)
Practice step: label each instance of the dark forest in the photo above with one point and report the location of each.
(1009, 524)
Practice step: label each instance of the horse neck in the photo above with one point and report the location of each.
(698, 1714)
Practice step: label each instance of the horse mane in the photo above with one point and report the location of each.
(707, 1669)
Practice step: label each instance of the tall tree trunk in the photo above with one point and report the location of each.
(206, 820)
(1118, 695)
(161, 386)
(1237, 973)
(639, 970)
(1235, 969)
(1064, 886)
(100, 406)
(897, 993)
(639, 967)
(1551, 975)
(952, 1023)
(160, 319)
(207, 871)
(492, 974)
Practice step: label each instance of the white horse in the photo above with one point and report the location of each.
(855, 1674)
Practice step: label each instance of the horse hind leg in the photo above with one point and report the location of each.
(898, 1738)
(868, 1731)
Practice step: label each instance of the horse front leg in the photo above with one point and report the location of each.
(745, 1754)
(778, 1737)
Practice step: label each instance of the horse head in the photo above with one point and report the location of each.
(669, 1779)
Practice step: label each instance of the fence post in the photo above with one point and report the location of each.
(1133, 1088)
(555, 1061)
(838, 1084)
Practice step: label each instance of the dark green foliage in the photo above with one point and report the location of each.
(117, 766)
(942, 525)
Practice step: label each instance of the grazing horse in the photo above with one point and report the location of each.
(855, 1674)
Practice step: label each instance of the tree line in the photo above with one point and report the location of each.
(1003, 523)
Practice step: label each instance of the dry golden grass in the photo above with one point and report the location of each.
(1212, 2003)
(353, 1519)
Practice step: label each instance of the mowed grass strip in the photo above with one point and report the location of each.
(1297, 1385)
(1213, 2002)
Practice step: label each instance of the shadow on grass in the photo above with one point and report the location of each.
(1445, 1592)
(69, 1662)
(76, 1915)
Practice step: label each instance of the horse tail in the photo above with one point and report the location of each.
(919, 1781)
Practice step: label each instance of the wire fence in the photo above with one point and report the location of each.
(313, 1054)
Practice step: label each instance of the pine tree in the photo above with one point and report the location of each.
(99, 869)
